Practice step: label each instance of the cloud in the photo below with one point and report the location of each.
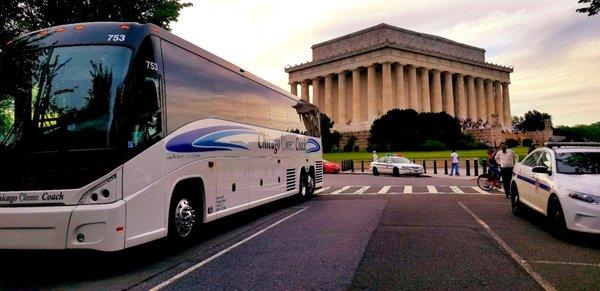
(554, 50)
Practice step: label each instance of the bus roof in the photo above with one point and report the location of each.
(98, 33)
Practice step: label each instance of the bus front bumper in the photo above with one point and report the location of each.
(98, 227)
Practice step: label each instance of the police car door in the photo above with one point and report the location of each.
(542, 182)
(524, 177)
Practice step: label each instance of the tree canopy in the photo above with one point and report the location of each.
(592, 9)
(579, 132)
(532, 121)
(328, 138)
(408, 130)
(21, 16)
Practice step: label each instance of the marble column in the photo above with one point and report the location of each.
(481, 110)
(294, 87)
(498, 101)
(316, 98)
(462, 99)
(506, 105)
(329, 96)
(401, 102)
(471, 99)
(304, 90)
(425, 96)
(371, 93)
(388, 102)
(436, 95)
(413, 98)
(448, 94)
(489, 100)
(356, 103)
(342, 118)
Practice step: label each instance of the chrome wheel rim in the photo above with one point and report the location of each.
(184, 218)
(310, 185)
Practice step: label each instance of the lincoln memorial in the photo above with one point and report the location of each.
(356, 78)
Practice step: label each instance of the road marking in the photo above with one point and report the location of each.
(322, 190)
(384, 189)
(539, 279)
(456, 190)
(566, 263)
(206, 261)
(407, 189)
(340, 190)
(362, 190)
(431, 189)
(479, 190)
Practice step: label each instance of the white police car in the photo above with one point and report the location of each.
(396, 166)
(561, 181)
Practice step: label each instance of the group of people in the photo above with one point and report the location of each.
(470, 124)
(501, 163)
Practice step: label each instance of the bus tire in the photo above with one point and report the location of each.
(185, 216)
(307, 186)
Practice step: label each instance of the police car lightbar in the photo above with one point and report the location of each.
(572, 144)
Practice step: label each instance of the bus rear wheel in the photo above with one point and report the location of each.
(183, 219)
(307, 186)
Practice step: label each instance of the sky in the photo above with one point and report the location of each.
(554, 50)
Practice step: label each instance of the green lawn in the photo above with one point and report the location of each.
(419, 155)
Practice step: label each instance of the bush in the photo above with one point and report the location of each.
(350, 144)
(433, 145)
(511, 143)
(356, 148)
(526, 142)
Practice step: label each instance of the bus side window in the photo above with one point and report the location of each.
(146, 105)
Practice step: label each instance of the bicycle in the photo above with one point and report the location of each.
(488, 181)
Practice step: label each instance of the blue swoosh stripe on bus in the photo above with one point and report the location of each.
(183, 143)
(210, 140)
(316, 147)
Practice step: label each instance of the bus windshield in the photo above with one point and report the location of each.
(62, 98)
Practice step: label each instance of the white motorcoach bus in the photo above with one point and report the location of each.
(117, 134)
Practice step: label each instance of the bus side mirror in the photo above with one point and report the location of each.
(149, 96)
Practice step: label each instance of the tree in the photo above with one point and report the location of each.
(579, 132)
(592, 9)
(407, 130)
(20, 16)
(328, 138)
(533, 120)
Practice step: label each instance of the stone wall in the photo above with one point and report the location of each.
(495, 136)
(406, 38)
(361, 139)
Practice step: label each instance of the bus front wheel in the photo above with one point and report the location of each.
(183, 218)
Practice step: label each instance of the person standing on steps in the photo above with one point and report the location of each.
(507, 159)
(454, 157)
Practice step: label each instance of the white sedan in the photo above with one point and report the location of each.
(562, 182)
(396, 166)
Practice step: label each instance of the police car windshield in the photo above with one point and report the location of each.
(578, 163)
(399, 160)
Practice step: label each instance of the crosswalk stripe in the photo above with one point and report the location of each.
(432, 189)
(384, 189)
(322, 190)
(362, 190)
(480, 190)
(456, 190)
(407, 189)
(340, 190)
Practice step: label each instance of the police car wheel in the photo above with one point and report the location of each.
(556, 218)
(517, 207)
(396, 172)
(375, 171)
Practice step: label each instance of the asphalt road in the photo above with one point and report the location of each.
(362, 232)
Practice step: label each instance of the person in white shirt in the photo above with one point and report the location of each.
(507, 159)
(454, 157)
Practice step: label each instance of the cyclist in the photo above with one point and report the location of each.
(493, 169)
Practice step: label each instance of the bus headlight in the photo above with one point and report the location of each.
(589, 198)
